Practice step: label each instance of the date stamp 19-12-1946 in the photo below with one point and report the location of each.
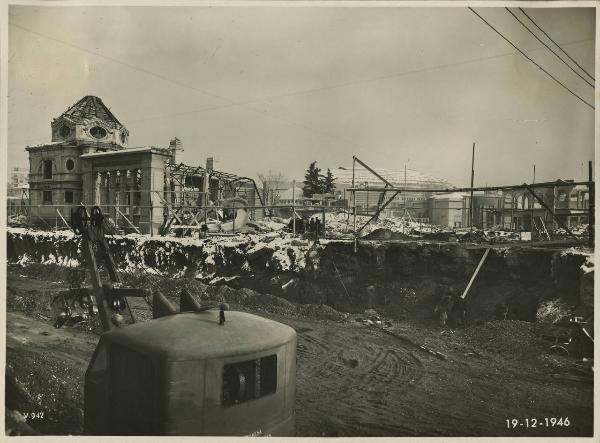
(545, 422)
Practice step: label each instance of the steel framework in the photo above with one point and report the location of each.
(388, 187)
(193, 191)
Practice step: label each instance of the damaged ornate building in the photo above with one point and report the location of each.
(143, 189)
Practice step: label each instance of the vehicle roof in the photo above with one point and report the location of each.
(198, 335)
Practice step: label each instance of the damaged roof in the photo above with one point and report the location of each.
(90, 107)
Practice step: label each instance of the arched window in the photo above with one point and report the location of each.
(526, 202)
(47, 169)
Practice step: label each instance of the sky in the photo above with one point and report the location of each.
(275, 88)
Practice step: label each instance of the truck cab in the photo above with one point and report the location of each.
(186, 374)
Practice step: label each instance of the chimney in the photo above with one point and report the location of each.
(209, 164)
(176, 149)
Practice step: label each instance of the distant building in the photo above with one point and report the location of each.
(18, 183)
(449, 209)
(514, 209)
(291, 197)
(518, 209)
(413, 203)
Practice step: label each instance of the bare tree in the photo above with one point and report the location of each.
(271, 183)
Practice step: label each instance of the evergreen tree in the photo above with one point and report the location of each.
(312, 180)
(328, 182)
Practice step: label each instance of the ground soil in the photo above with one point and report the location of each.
(353, 379)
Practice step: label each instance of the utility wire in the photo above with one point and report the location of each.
(557, 45)
(121, 62)
(549, 48)
(229, 102)
(530, 59)
(310, 91)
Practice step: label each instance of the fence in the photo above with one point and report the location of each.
(139, 219)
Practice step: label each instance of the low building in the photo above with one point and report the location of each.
(449, 209)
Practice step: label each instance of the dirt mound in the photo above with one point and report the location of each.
(320, 312)
(508, 337)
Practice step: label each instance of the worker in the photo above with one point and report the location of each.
(203, 230)
(458, 313)
(224, 307)
(443, 307)
(317, 227)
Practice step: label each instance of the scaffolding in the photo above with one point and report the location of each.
(388, 188)
(193, 192)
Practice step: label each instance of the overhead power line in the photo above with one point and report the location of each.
(530, 59)
(229, 102)
(557, 45)
(549, 48)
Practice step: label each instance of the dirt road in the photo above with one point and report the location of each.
(352, 379)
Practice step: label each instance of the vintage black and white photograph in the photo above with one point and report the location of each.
(303, 220)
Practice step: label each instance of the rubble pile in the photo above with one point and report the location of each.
(236, 298)
(18, 220)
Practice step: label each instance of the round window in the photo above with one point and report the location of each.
(64, 131)
(70, 164)
(98, 132)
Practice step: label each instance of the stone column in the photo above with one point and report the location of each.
(97, 188)
(153, 183)
(88, 184)
(114, 193)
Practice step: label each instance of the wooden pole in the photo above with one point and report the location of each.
(485, 254)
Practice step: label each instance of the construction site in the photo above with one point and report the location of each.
(395, 317)
(159, 289)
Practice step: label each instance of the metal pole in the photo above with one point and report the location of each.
(379, 209)
(354, 201)
(355, 159)
(404, 195)
(323, 206)
(472, 179)
(485, 254)
(591, 206)
(294, 207)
